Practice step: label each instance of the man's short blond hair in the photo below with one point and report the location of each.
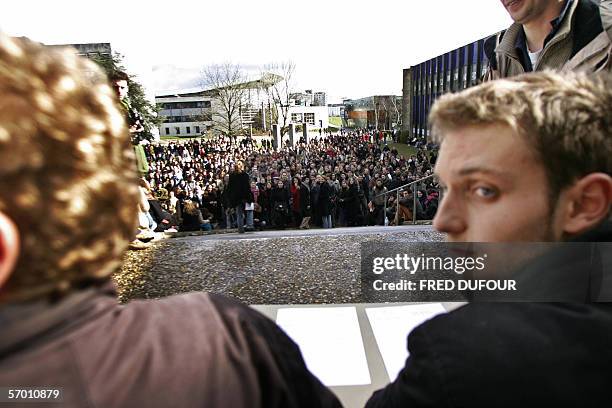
(566, 119)
(67, 172)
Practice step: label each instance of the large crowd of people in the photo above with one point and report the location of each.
(333, 180)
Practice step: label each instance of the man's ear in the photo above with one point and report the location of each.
(587, 203)
(9, 247)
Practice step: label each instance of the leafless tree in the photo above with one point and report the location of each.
(227, 84)
(281, 89)
(384, 104)
(386, 110)
(376, 104)
(397, 104)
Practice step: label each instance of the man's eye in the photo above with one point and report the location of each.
(485, 192)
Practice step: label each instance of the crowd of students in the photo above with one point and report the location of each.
(335, 180)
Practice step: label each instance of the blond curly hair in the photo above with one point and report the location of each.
(67, 173)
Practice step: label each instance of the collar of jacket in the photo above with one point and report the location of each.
(507, 45)
(520, 43)
(555, 23)
(601, 233)
(27, 323)
(593, 48)
(564, 272)
(571, 271)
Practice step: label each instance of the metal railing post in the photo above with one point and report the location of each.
(385, 208)
(397, 207)
(414, 198)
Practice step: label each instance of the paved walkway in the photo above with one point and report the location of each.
(233, 235)
(269, 267)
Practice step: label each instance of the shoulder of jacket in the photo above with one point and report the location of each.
(490, 44)
(605, 14)
(482, 320)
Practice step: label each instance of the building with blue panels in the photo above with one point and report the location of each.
(424, 83)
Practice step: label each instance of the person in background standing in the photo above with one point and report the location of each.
(280, 205)
(296, 202)
(325, 203)
(250, 212)
(239, 193)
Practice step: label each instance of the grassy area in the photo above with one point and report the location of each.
(335, 121)
(404, 149)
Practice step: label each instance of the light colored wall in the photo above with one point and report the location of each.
(183, 126)
(334, 110)
(320, 112)
(183, 112)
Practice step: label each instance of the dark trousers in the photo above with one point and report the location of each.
(297, 218)
(379, 214)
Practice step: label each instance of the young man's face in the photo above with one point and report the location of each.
(496, 189)
(121, 88)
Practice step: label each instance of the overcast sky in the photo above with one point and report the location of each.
(346, 48)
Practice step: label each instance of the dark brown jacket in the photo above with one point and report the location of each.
(191, 350)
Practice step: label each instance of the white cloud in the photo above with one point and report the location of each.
(346, 48)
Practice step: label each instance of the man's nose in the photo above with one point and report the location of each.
(450, 217)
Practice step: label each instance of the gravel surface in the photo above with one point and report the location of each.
(270, 269)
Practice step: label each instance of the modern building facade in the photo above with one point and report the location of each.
(308, 98)
(316, 117)
(336, 109)
(302, 98)
(453, 71)
(190, 113)
(185, 116)
(319, 99)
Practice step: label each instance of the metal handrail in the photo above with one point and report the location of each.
(402, 186)
(398, 189)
